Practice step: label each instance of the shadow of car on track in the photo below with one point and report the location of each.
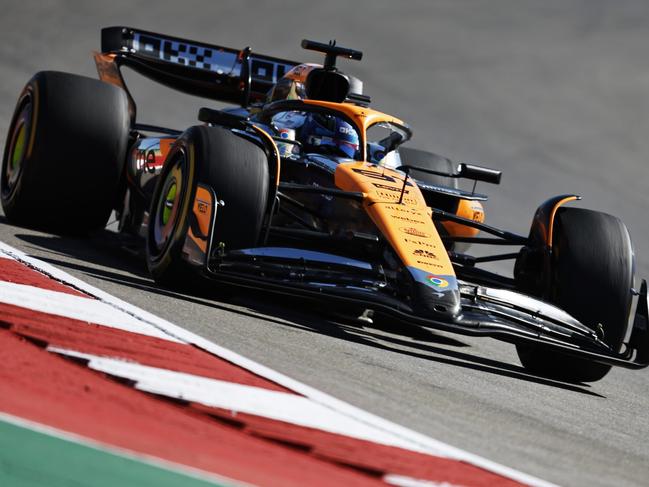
(108, 257)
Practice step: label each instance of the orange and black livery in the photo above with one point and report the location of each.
(302, 187)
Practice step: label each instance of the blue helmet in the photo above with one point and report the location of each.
(328, 133)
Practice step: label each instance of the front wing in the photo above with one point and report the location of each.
(490, 312)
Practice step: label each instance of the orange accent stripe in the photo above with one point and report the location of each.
(270, 140)
(554, 212)
(203, 208)
(471, 210)
(107, 69)
(165, 147)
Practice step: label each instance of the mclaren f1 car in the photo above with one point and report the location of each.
(302, 188)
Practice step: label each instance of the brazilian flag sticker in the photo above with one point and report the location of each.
(438, 282)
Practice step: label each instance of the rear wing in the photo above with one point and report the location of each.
(205, 70)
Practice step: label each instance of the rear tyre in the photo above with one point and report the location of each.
(592, 279)
(235, 168)
(428, 160)
(64, 153)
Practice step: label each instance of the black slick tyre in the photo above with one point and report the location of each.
(236, 170)
(592, 278)
(65, 152)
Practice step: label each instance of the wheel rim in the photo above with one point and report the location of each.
(168, 206)
(17, 148)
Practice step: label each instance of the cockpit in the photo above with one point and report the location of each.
(308, 129)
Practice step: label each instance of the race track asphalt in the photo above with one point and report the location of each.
(554, 93)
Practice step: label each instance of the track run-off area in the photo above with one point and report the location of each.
(229, 417)
(552, 93)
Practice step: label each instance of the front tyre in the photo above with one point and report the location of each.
(236, 170)
(592, 278)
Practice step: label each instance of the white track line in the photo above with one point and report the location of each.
(403, 481)
(423, 441)
(279, 406)
(75, 307)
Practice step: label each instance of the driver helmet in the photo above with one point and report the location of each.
(291, 85)
(324, 132)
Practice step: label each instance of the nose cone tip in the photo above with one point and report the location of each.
(444, 304)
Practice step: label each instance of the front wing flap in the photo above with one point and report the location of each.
(489, 312)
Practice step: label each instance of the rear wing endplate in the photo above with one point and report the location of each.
(205, 70)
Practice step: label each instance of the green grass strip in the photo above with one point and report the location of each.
(32, 458)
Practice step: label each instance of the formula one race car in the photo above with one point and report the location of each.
(304, 189)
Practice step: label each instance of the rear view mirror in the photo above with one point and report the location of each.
(479, 173)
(391, 142)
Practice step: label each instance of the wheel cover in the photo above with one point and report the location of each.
(17, 148)
(169, 201)
(168, 207)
